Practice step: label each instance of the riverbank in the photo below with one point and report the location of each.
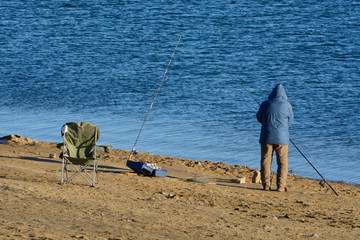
(125, 205)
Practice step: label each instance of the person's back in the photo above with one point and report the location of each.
(275, 115)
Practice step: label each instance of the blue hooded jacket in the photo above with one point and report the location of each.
(275, 115)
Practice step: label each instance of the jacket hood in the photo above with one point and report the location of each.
(278, 92)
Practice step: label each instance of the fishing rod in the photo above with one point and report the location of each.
(133, 151)
(296, 147)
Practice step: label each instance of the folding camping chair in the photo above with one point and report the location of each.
(79, 151)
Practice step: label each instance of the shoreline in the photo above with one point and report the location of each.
(290, 173)
(124, 205)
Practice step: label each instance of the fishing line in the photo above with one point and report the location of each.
(296, 147)
(133, 152)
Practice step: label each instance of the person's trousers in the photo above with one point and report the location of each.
(282, 162)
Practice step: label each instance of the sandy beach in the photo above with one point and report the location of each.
(125, 205)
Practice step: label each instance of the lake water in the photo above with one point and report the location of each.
(102, 61)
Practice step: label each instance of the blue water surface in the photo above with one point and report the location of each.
(102, 62)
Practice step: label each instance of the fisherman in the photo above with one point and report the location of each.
(275, 116)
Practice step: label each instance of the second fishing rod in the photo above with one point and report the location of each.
(296, 147)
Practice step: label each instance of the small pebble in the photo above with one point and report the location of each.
(171, 195)
(266, 227)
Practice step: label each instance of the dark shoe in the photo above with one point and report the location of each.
(282, 189)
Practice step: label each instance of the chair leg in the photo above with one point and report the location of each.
(62, 171)
(94, 173)
(90, 177)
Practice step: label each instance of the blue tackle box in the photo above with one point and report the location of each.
(143, 168)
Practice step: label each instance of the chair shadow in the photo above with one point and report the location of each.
(105, 169)
(33, 159)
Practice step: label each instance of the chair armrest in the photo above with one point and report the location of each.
(106, 147)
